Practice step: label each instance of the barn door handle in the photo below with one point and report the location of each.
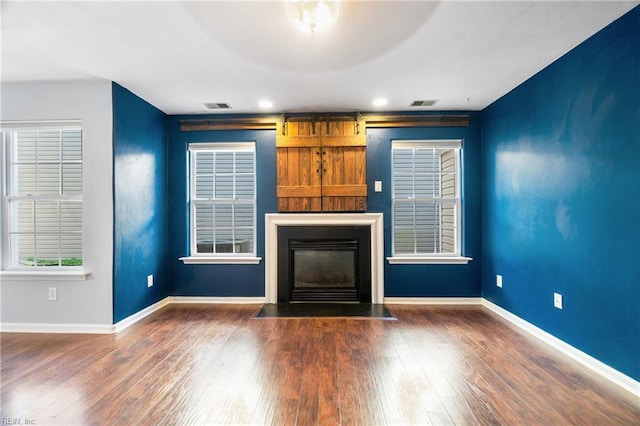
(324, 162)
(318, 153)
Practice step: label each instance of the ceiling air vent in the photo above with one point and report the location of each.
(217, 105)
(428, 103)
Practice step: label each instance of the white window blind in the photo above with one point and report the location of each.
(42, 195)
(222, 198)
(426, 197)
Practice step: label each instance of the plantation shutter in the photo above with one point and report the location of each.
(44, 193)
(425, 197)
(223, 198)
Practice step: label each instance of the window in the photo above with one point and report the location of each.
(222, 199)
(42, 196)
(425, 199)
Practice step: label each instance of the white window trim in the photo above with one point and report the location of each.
(206, 258)
(57, 275)
(434, 258)
(13, 126)
(222, 260)
(25, 273)
(429, 260)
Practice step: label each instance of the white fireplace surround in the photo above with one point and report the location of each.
(373, 220)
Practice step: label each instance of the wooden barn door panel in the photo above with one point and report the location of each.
(344, 182)
(298, 173)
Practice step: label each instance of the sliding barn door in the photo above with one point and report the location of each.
(344, 175)
(321, 166)
(299, 168)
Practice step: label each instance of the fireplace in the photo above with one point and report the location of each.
(274, 222)
(324, 264)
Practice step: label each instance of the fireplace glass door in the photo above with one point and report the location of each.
(324, 270)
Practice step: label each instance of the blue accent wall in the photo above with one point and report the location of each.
(216, 280)
(140, 203)
(400, 280)
(562, 197)
(431, 280)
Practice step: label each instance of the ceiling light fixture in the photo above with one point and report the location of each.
(312, 16)
(265, 104)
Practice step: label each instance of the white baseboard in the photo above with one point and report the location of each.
(17, 327)
(433, 300)
(130, 320)
(217, 300)
(586, 360)
(83, 328)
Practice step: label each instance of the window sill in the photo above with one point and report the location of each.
(424, 260)
(213, 260)
(22, 275)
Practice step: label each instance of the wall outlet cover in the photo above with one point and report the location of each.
(499, 280)
(53, 294)
(149, 280)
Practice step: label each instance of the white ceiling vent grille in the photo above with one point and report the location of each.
(427, 103)
(217, 105)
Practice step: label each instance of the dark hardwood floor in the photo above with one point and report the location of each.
(214, 364)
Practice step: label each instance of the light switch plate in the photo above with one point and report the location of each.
(378, 186)
(557, 300)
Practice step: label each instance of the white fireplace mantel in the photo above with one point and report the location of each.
(373, 220)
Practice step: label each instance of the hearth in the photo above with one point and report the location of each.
(324, 264)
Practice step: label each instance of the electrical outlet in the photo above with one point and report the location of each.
(499, 280)
(557, 300)
(149, 280)
(53, 294)
(377, 186)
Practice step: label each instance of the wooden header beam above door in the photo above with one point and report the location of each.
(391, 121)
(370, 121)
(249, 123)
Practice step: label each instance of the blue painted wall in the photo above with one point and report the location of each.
(431, 280)
(140, 203)
(216, 280)
(400, 280)
(562, 197)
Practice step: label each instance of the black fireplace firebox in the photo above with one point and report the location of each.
(324, 264)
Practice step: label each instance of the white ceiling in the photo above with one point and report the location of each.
(179, 55)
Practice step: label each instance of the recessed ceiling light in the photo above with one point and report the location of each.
(379, 102)
(265, 104)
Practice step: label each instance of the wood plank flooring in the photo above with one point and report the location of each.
(214, 364)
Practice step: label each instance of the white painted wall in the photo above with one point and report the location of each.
(79, 302)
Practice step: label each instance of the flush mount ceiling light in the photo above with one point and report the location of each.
(265, 104)
(312, 16)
